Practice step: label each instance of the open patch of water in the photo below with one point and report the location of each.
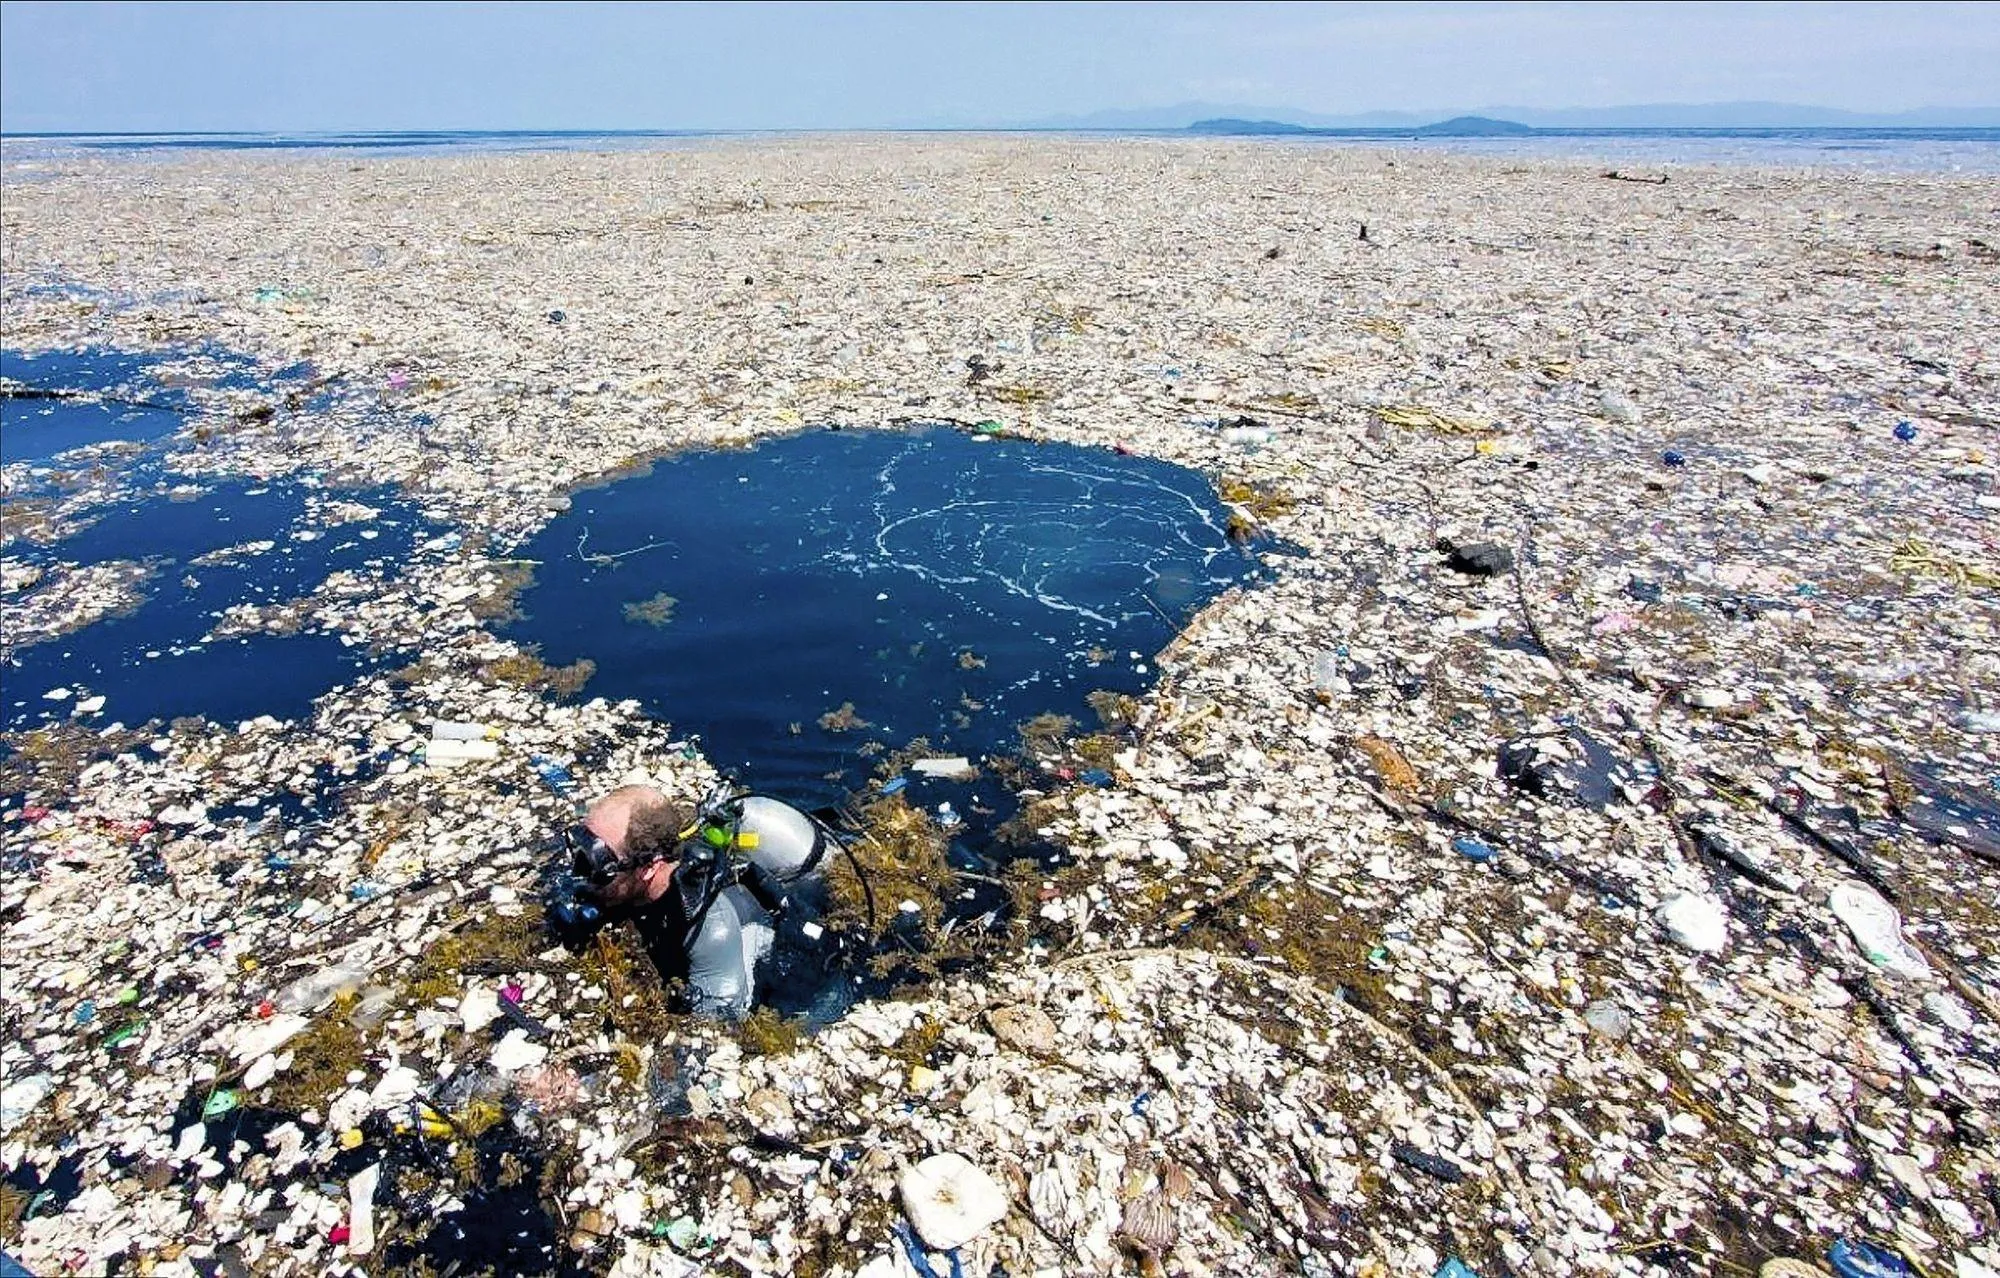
(60, 400)
(180, 554)
(228, 545)
(807, 603)
(34, 428)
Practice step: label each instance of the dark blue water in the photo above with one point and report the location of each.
(944, 586)
(139, 397)
(152, 662)
(38, 429)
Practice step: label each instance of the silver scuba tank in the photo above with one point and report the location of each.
(778, 838)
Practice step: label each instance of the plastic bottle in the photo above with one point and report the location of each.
(316, 988)
(1326, 671)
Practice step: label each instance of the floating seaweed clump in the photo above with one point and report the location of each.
(656, 610)
(902, 852)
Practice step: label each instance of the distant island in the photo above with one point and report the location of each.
(1461, 126)
(1240, 127)
(1475, 126)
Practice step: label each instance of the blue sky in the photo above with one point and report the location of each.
(411, 66)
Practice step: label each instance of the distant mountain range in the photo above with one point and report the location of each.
(1459, 126)
(1713, 115)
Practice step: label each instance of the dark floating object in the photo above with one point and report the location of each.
(1479, 558)
(1429, 1164)
(1573, 765)
(1948, 812)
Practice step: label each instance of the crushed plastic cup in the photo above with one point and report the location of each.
(1326, 675)
(1608, 1019)
(1694, 922)
(372, 1007)
(1877, 930)
(19, 1098)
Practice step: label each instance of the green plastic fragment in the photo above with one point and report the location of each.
(125, 1035)
(683, 1233)
(220, 1103)
(130, 994)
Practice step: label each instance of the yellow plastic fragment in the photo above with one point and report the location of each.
(1917, 558)
(1417, 417)
(351, 1138)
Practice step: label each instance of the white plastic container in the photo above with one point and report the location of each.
(444, 730)
(446, 752)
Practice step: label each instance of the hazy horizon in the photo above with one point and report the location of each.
(589, 67)
(1719, 116)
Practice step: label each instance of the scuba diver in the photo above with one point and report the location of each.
(708, 892)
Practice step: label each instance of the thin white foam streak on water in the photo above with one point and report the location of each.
(1024, 547)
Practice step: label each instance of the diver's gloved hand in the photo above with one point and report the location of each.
(573, 922)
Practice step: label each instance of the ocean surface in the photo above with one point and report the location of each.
(1971, 151)
(200, 545)
(816, 601)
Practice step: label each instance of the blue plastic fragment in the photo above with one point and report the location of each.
(1453, 1267)
(894, 785)
(1095, 776)
(1140, 1102)
(1905, 432)
(1674, 457)
(1858, 1259)
(1472, 849)
(554, 774)
(86, 1011)
(915, 1251)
